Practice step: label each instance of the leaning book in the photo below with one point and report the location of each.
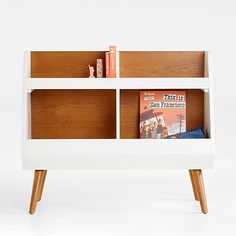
(162, 113)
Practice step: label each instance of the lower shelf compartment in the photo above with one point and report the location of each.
(73, 114)
(129, 115)
(118, 154)
(92, 114)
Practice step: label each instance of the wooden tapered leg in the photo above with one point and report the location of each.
(36, 190)
(193, 181)
(200, 190)
(42, 182)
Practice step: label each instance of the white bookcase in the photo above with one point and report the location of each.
(45, 154)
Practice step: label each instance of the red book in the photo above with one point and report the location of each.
(107, 60)
(112, 61)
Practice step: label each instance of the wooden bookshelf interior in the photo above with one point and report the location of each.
(132, 64)
(161, 64)
(46, 64)
(75, 114)
(94, 123)
(129, 115)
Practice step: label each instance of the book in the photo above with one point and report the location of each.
(99, 69)
(107, 62)
(162, 113)
(195, 133)
(112, 61)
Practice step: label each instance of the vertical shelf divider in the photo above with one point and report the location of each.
(117, 114)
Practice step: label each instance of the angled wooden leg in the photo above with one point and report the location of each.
(36, 190)
(200, 190)
(42, 182)
(194, 185)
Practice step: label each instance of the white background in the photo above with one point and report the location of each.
(117, 202)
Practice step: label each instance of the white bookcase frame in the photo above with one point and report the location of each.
(118, 153)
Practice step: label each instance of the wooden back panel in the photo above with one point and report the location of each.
(73, 114)
(53, 64)
(139, 64)
(129, 111)
(161, 64)
(91, 113)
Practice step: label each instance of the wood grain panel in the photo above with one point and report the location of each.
(194, 109)
(73, 114)
(48, 64)
(129, 112)
(161, 64)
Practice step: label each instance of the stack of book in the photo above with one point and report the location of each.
(110, 65)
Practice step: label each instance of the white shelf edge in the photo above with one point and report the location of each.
(122, 140)
(165, 146)
(107, 153)
(118, 83)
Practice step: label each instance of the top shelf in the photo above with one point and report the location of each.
(135, 70)
(130, 64)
